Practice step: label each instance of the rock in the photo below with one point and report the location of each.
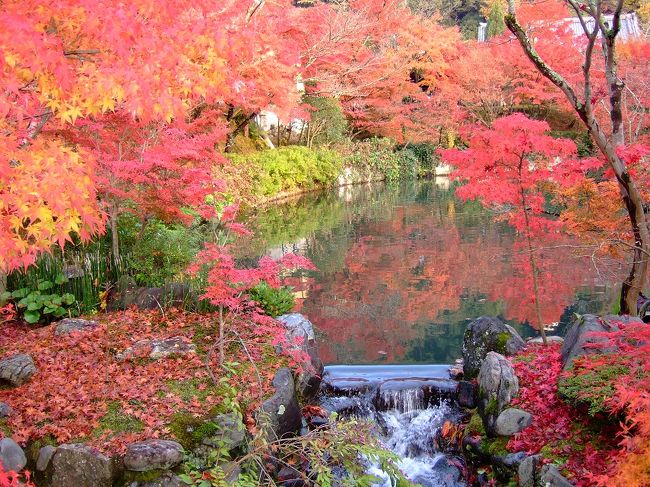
(512, 421)
(487, 334)
(127, 294)
(577, 342)
(170, 295)
(527, 471)
(447, 474)
(45, 455)
(549, 339)
(467, 394)
(12, 455)
(167, 479)
(17, 369)
(231, 432)
(79, 465)
(123, 295)
(505, 466)
(498, 385)
(300, 333)
(157, 349)
(155, 454)
(232, 471)
(289, 476)
(5, 410)
(69, 325)
(550, 476)
(280, 415)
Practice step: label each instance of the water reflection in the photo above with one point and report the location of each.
(403, 269)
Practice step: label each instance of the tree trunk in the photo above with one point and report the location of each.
(630, 195)
(115, 238)
(531, 259)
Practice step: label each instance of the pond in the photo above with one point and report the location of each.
(403, 268)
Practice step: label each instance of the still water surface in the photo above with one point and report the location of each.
(403, 269)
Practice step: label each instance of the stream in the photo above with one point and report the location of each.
(402, 270)
(409, 405)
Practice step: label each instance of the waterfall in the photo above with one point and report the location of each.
(409, 406)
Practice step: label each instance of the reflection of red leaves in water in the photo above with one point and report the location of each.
(418, 263)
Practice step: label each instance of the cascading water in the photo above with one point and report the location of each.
(409, 405)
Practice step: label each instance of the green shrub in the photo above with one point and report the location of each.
(380, 156)
(592, 388)
(327, 122)
(41, 304)
(162, 253)
(289, 168)
(274, 301)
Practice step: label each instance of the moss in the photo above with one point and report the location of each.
(131, 477)
(501, 344)
(492, 406)
(524, 358)
(115, 421)
(593, 388)
(191, 389)
(4, 428)
(35, 446)
(182, 427)
(475, 425)
(495, 446)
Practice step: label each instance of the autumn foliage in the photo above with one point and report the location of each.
(559, 431)
(82, 385)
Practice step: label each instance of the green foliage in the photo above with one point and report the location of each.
(496, 25)
(475, 426)
(327, 124)
(89, 270)
(41, 304)
(378, 156)
(289, 168)
(274, 301)
(593, 388)
(159, 253)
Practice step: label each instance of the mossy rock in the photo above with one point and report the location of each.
(484, 335)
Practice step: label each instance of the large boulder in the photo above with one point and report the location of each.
(579, 340)
(82, 466)
(127, 294)
(498, 385)
(279, 416)
(12, 456)
(300, 334)
(155, 454)
(512, 421)
(17, 369)
(487, 334)
(69, 325)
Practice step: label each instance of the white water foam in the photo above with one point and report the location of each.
(410, 434)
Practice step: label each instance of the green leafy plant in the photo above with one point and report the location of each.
(289, 168)
(274, 301)
(40, 304)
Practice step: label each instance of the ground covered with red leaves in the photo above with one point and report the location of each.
(584, 448)
(82, 392)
